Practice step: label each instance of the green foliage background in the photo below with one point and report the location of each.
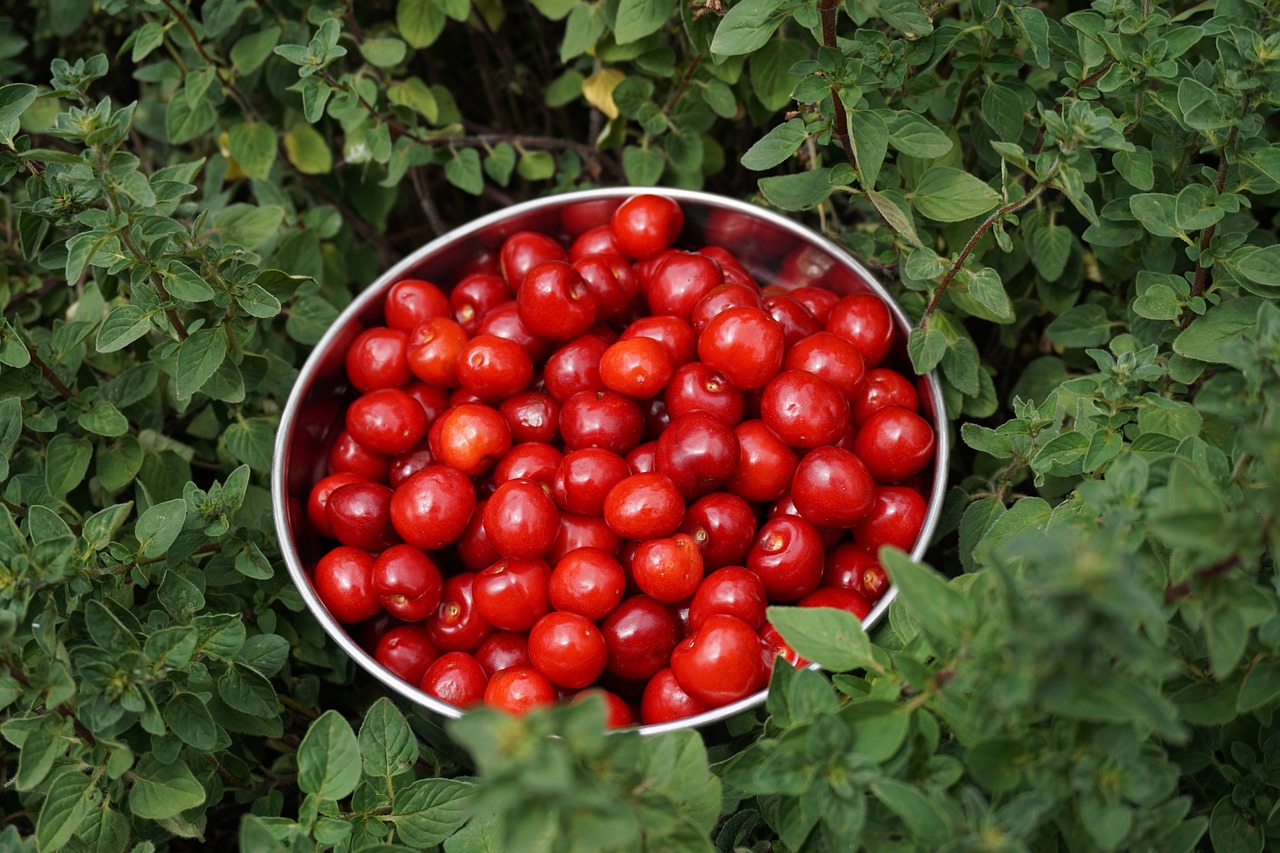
(1077, 205)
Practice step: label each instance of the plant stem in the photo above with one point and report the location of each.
(1202, 272)
(827, 9)
(49, 375)
(126, 234)
(1011, 207)
(1182, 589)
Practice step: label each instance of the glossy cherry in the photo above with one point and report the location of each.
(587, 581)
(568, 649)
(377, 359)
(408, 583)
(343, 580)
(411, 300)
(456, 678)
(431, 508)
(720, 663)
(788, 557)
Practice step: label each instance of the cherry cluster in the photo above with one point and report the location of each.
(592, 469)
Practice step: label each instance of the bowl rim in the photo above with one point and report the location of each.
(377, 290)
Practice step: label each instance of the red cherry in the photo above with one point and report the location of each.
(377, 359)
(456, 678)
(832, 488)
(647, 224)
(567, 649)
(733, 591)
(407, 652)
(664, 701)
(896, 518)
(745, 344)
(408, 583)
(865, 321)
(343, 581)
(720, 663)
(410, 301)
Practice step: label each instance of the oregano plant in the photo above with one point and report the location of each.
(1076, 205)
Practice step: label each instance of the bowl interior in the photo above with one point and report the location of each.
(773, 248)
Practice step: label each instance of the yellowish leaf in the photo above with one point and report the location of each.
(598, 90)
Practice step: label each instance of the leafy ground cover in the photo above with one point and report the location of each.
(1076, 204)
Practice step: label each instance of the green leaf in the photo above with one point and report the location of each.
(417, 96)
(1217, 336)
(329, 758)
(870, 139)
(249, 692)
(939, 609)
(1082, 326)
(776, 146)
(253, 146)
(14, 99)
(256, 835)
(1135, 167)
(420, 21)
(146, 39)
(583, 28)
(1035, 26)
(914, 808)
(10, 431)
(198, 357)
(1260, 265)
(252, 441)
(1002, 111)
(1050, 250)
(185, 121)
(500, 163)
(307, 150)
(834, 639)
(387, 744)
(184, 284)
(636, 19)
(897, 215)
(124, 325)
(42, 746)
(643, 166)
(747, 27)
(463, 170)
(66, 460)
(247, 225)
(1260, 688)
(430, 810)
(907, 16)
(800, 191)
(1156, 213)
(103, 418)
(986, 287)
(539, 165)
(947, 194)
(770, 72)
(383, 52)
(159, 526)
(162, 791)
(1234, 832)
(67, 803)
(251, 51)
(188, 717)
(913, 135)
(926, 347)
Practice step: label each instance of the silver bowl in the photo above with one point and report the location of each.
(759, 238)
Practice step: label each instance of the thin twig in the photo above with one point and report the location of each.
(423, 192)
(827, 9)
(49, 375)
(1201, 280)
(1011, 207)
(1183, 588)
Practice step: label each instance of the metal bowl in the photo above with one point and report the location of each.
(769, 245)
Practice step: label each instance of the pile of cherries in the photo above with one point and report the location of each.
(592, 468)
